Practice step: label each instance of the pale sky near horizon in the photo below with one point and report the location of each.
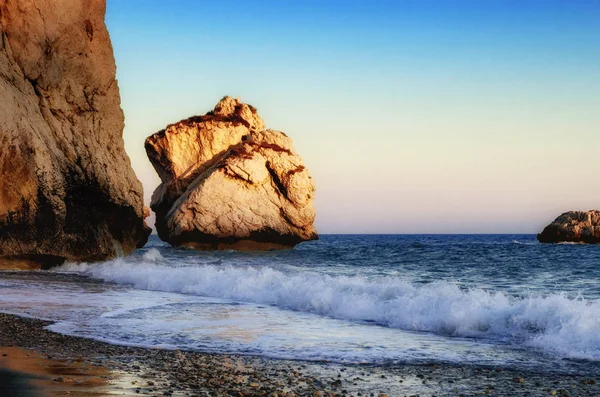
(412, 116)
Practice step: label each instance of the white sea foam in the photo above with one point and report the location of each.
(557, 324)
(525, 242)
(153, 255)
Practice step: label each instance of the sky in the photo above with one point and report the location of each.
(411, 116)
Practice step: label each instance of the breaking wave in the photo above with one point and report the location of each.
(556, 323)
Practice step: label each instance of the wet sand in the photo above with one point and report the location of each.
(29, 373)
(42, 363)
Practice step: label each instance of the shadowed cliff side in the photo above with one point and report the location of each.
(67, 189)
(227, 183)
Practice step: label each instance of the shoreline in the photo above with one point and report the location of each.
(121, 370)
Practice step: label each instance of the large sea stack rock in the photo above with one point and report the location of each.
(228, 183)
(67, 189)
(573, 226)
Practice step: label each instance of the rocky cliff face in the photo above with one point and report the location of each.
(67, 189)
(573, 226)
(229, 183)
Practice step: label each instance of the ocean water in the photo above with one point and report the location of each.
(499, 300)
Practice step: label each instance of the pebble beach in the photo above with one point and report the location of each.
(104, 369)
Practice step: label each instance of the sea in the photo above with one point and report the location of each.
(484, 300)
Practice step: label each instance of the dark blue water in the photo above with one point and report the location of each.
(516, 264)
(480, 299)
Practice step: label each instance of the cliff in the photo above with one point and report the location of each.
(67, 189)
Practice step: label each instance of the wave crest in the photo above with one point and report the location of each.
(558, 324)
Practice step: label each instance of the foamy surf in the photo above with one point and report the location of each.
(555, 324)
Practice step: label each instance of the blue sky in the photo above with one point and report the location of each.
(412, 116)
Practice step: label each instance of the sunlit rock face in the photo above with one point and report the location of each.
(228, 183)
(573, 226)
(67, 189)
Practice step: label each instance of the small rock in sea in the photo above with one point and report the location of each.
(519, 380)
(552, 392)
(572, 226)
(589, 382)
(383, 395)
